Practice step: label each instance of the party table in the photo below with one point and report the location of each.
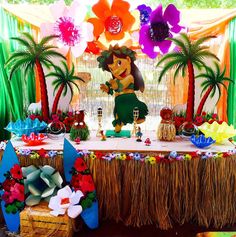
(161, 184)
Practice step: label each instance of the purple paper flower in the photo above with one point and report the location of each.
(52, 153)
(145, 12)
(173, 154)
(162, 25)
(137, 156)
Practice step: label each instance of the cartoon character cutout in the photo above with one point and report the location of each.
(126, 79)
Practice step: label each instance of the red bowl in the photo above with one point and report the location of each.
(33, 139)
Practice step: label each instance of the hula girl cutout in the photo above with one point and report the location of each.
(126, 79)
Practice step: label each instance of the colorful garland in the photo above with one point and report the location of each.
(161, 157)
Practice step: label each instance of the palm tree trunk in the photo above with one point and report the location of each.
(43, 90)
(57, 98)
(191, 93)
(203, 100)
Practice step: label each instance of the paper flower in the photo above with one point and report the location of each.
(13, 190)
(40, 183)
(145, 12)
(2, 145)
(66, 200)
(162, 25)
(73, 32)
(218, 132)
(16, 172)
(114, 20)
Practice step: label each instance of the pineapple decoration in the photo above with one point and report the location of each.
(166, 130)
(79, 129)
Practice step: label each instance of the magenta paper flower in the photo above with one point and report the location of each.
(152, 36)
(73, 32)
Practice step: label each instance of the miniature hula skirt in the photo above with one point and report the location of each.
(124, 106)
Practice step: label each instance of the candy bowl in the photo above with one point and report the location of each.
(201, 141)
(218, 132)
(33, 139)
(26, 126)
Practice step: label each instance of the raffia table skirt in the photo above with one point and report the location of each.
(203, 191)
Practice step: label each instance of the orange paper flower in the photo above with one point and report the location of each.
(113, 20)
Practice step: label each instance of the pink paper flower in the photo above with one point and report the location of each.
(17, 192)
(66, 200)
(73, 32)
(152, 36)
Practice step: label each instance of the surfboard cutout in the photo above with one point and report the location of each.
(9, 159)
(71, 159)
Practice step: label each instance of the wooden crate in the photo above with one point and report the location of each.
(38, 222)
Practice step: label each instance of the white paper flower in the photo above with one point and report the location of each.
(2, 145)
(66, 200)
(73, 32)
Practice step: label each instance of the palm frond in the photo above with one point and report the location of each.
(169, 56)
(186, 40)
(205, 54)
(22, 41)
(77, 87)
(202, 40)
(56, 87)
(52, 53)
(177, 71)
(213, 92)
(71, 91)
(180, 44)
(46, 39)
(30, 38)
(204, 88)
(65, 91)
(168, 66)
(72, 71)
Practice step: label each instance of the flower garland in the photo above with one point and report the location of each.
(151, 159)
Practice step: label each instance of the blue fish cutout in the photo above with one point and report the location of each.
(89, 215)
(9, 159)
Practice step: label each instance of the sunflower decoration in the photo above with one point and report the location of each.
(153, 36)
(113, 22)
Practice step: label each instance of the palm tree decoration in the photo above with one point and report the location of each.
(34, 55)
(189, 54)
(65, 79)
(214, 81)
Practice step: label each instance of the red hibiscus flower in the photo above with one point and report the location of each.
(16, 172)
(75, 181)
(42, 152)
(7, 184)
(17, 192)
(87, 184)
(80, 165)
(99, 154)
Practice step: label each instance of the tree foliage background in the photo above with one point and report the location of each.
(181, 4)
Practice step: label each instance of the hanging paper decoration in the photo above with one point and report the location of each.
(113, 22)
(152, 36)
(69, 25)
(145, 12)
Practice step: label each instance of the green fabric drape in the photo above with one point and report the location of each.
(232, 87)
(17, 94)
